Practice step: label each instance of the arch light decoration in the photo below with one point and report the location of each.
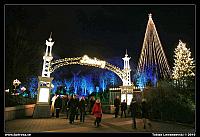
(87, 61)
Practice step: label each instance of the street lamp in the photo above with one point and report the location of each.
(23, 89)
(24, 94)
(16, 83)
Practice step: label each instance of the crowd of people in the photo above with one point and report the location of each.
(76, 108)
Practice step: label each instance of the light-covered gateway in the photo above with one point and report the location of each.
(96, 62)
(127, 89)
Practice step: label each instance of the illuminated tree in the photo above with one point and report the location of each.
(67, 84)
(112, 78)
(90, 84)
(152, 56)
(141, 80)
(86, 85)
(33, 85)
(146, 78)
(183, 66)
(76, 81)
(56, 84)
(103, 82)
(83, 85)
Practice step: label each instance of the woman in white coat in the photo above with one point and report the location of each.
(52, 104)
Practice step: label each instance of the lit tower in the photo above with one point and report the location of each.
(127, 70)
(42, 108)
(127, 90)
(47, 58)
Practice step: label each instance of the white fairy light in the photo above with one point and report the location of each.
(152, 52)
(86, 60)
(184, 64)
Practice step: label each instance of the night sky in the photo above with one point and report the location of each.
(104, 31)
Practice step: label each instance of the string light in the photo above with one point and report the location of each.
(85, 60)
(184, 64)
(152, 54)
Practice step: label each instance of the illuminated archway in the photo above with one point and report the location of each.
(85, 60)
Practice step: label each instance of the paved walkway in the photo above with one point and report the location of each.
(109, 125)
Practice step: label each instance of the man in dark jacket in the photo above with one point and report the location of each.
(72, 109)
(145, 113)
(116, 105)
(67, 105)
(58, 105)
(123, 108)
(132, 109)
(82, 104)
(77, 106)
(91, 104)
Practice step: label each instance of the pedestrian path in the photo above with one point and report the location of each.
(109, 124)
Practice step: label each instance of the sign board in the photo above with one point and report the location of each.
(129, 98)
(44, 95)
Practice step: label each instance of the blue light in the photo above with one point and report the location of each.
(146, 77)
(67, 84)
(32, 85)
(95, 80)
(97, 89)
(141, 81)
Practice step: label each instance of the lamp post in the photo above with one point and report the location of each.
(16, 83)
(23, 89)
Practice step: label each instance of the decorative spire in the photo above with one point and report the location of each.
(126, 53)
(49, 43)
(150, 16)
(50, 39)
(48, 57)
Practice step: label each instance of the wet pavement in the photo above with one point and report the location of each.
(109, 124)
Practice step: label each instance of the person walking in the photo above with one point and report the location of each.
(63, 98)
(91, 103)
(132, 109)
(145, 113)
(77, 106)
(52, 105)
(58, 105)
(67, 105)
(97, 111)
(82, 104)
(116, 105)
(72, 109)
(123, 108)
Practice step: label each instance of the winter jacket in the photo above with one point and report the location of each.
(123, 106)
(82, 104)
(133, 108)
(116, 102)
(58, 102)
(72, 105)
(52, 103)
(144, 109)
(97, 110)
